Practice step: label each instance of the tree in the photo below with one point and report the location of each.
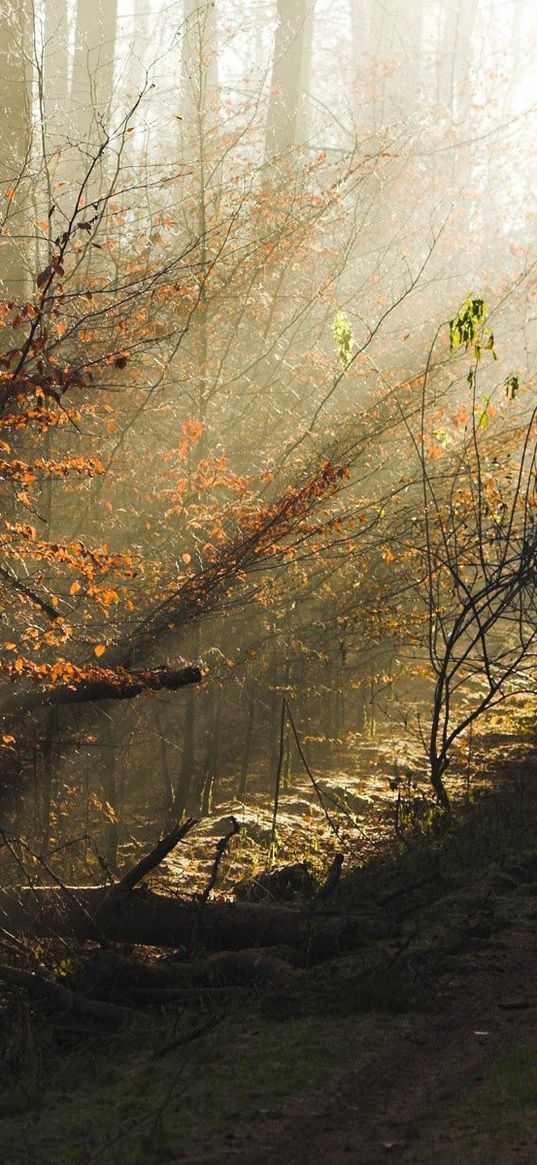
(15, 148)
(174, 400)
(92, 81)
(55, 79)
(289, 72)
(480, 559)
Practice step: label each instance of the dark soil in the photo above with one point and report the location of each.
(449, 1085)
(452, 1080)
(419, 1046)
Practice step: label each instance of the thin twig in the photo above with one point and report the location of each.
(155, 857)
(277, 784)
(316, 786)
(222, 847)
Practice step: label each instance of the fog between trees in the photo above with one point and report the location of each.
(238, 428)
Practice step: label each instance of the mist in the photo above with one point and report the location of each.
(268, 275)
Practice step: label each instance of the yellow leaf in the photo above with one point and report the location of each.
(74, 588)
(99, 650)
(110, 597)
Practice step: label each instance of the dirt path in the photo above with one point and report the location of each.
(442, 1085)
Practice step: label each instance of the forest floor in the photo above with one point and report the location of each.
(420, 1046)
(453, 1082)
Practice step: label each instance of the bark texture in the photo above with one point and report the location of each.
(141, 916)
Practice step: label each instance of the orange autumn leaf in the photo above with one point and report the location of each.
(99, 650)
(74, 588)
(110, 597)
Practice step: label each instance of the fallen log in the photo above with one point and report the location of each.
(39, 987)
(106, 973)
(126, 912)
(142, 917)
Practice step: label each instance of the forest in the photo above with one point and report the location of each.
(268, 577)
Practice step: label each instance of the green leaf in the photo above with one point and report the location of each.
(468, 328)
(343, 338)
(443, 437)
(511, 385)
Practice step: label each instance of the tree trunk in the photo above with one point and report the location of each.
(49, 757)
(199, 85)
(109, 782)
(247, 748)
(211, 756)
(283, 116)
(142, 917)
(92, 84)
(169, 813)
(56, 61)
(186, 771)
(15, 144)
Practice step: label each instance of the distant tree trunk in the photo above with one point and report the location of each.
(199, 148)
(274, 718)
(286, 760)
(380, 49)
(56, 59)
(247, 748)
(135, 77)
(93, 75)
(110, 788)
(211, 759)
(447, 63)
(389, 40)
(199, 82)
(454, 97)
(455, 57)
(307, 81)
(169, 806)
(406, 93)
(15, 146)
(182, 794)
(47, 779)
(283, 117)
